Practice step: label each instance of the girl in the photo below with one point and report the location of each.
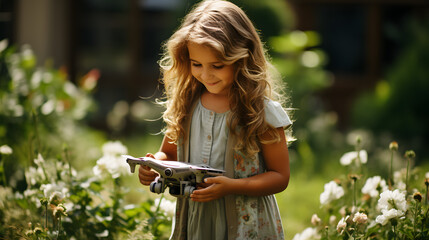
(219, 112)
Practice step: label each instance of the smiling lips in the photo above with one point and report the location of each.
(212, 84)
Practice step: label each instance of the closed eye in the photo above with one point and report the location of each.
(196, 64)
(218, 66)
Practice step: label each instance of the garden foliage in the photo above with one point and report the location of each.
(361, 206)
(43, 140)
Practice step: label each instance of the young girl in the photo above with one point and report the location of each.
(219, 112)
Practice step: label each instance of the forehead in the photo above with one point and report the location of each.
(202, 53)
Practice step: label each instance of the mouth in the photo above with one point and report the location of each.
(212, 84)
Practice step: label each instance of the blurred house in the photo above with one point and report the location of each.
(360, 38)
(122, 39)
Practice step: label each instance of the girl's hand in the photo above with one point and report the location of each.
(146, 176)
(218, 187)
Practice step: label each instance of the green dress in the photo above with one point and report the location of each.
(208, 143)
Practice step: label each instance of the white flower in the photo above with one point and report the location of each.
(360, 218)
(392, 200)
(315, 220)
(349, 157)
(392, 204)
(332, 219)
(114, 148)
(427, 175)
(34, 175)
(3, 44)
(112, 161)
(55, 190)
(342, 224)
(6, 150)
(387, 215)
(400, 185)
(332, 192)
(374, 185)
(39, 160)
(307, 234)
(165, 205)
(399, 175)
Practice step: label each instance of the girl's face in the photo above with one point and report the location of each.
(206, 67)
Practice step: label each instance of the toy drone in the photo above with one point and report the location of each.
(181, 178)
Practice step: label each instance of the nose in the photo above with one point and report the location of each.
(205, 74)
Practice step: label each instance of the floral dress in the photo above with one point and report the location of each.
(231, 217)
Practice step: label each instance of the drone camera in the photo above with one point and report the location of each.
(168, 172)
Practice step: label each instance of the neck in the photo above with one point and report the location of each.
(218, 103)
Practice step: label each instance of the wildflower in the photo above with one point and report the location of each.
(349, 157)
(166, 206)
(392, 204)
(410, 154)
(53, 191)
(6, 150)
(39, 160)
(59, 210)
(332, 192)
(373, 185)
(112, 162)
(332, 219)
(114, 148)
(388, 215)
(56, 197)
(360, 218)
(393, 146)
(392, 200)
(342, 224)
(315, 220)
(307, 234)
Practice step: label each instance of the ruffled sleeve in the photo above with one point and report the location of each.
(275, 115)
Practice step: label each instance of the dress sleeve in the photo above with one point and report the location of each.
(275, 115)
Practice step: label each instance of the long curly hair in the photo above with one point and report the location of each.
(226, 29)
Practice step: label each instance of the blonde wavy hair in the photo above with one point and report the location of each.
(226, 29)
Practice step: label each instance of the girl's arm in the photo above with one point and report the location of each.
(274, 180)
(167, 151)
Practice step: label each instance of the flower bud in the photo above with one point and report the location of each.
(417, 196)
(393, 146)
(360, 218)
(410, 154)
(315, 220)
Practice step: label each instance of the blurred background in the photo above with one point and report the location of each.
(352, 68)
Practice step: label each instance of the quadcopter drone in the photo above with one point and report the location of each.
(181, 178)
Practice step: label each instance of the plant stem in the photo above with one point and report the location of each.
(354, 193)
(46, 216)
(406, 179)
(59, 227)
(2, 172)
(34, 114)
(391, 170)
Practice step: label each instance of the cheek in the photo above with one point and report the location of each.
(195, 72)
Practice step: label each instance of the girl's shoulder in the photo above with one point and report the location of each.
(275, 115)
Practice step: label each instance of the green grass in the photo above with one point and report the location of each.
(299, 202)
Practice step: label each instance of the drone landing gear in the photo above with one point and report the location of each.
(157, 186)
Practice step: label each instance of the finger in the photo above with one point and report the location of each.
(150, 155)
(145, 182)
(211, 180)
(202, 198)
(145, 170)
